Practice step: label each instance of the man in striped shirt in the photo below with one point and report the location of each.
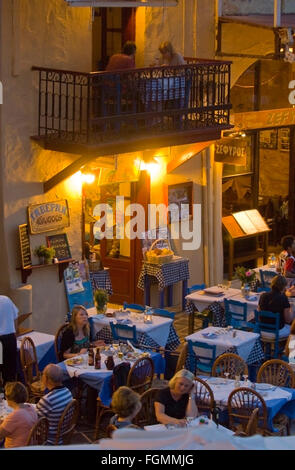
(52, 405)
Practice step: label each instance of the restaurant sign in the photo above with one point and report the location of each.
(48, 216)
(232, 150)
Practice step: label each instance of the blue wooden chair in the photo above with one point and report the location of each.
(123, 332)
(163, 313)
(266, 278)
(200, 360)
(236, 314)
(203, 316)
(261, 327)
(141, 308)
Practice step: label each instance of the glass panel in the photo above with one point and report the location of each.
(233, 170)
(237, 194)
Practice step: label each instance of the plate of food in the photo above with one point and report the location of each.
(74, 361)
(265, 387)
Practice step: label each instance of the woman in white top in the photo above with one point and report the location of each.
(8, 322)
(169, 56)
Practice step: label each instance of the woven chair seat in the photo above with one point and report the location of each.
(37, 387)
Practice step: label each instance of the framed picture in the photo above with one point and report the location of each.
(61, 245)
(269, 139)
(180, 194)
(284, 139)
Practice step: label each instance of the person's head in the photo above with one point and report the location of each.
(52, 376)
(79, 320)
(182, 382)
(129, 48)
(279, 283)
(288, 243)
(16, 393)
(166, 50)
(126, 403)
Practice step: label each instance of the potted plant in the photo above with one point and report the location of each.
(246, 276)
(44, 254)
(101, 299)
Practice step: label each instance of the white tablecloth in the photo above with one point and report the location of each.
(158, 330)
(243, 342)
(42, 341)
(202, 301)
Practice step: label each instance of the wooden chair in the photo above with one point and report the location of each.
(110, 429)
(201, 356)
(163, 313)
(204, 396)
(103, 416)
(266, 278)
(199, 315)
(181, 360)
(147, 415)
(123, 332)
(273, 345)
(236, 314)
(231, 363)
(138, 307)
(251, 428)
(57, 341)
(67, 423)
(241, 404)
(276, 372)
(39, 433)
(29, 364)
(141, 374)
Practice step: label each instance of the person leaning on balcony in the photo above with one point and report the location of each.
(125, 60)
(169, 56)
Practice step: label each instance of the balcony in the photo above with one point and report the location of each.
(103, 113)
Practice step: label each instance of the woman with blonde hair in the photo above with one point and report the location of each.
(76, 338)
(169, 56)
(126, 404)
(176, 402)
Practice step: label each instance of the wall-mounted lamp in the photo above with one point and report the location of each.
(150, 164)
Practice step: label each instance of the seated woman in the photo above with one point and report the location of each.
(276, 301)
(169, 56)
(126, 404)
(176, 402)
(16, 427)
(76, 338)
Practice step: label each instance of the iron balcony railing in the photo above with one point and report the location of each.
(100, 107)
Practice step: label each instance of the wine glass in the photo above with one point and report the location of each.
(226, 375)
(245, 377)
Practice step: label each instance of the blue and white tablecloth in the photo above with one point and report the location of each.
(101, 280)
(165, 274)
(44, 345)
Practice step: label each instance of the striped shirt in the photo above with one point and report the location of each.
(52, 406)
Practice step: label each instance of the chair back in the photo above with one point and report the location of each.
(57, 341)
(110, 429)
(231, 363)
(120, 375)
(276, 372)
(235, 311)
(67, 423)
(147, 415)
(102, 424)
(261, 326)
(29, 361)
(195, 288)
(241, 404)
(123, 332)
(201, 356)
(182, 358)
(163, 313)
(138, 307)
(266, 277)
(140, 377)
(251, 427)
(39, 433)
(204, 396)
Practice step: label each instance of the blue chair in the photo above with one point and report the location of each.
(123, 332)
(202, 362)
(141, 308)
(195, 288)
(163, 313)
(274, 327)
(236, 314)
(204, 317)
(266, 278)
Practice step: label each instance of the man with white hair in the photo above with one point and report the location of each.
(52, 405)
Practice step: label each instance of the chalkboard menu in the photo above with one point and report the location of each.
(25, 248)
(60, 244)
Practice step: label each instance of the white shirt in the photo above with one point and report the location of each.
(8, 313)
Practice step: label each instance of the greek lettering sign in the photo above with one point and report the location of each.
(48, 216)
(233, 151)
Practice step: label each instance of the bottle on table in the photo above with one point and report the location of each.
(109, 362)
(97, 362)
(90, 357)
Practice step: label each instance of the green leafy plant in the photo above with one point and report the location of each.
(245, 275)
(44, 252)
(101, 298)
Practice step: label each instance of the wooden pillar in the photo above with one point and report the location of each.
(291, 205)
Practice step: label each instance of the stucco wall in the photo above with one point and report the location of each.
(248, 7)
(49, 34)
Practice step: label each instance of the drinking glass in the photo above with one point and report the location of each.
(226, 375)
(189, 420)
(245, 377)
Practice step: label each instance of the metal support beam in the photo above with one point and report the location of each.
(277, 13)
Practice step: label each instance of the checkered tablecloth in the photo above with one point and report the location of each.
(218, 313)
(101, 280)
(143, 338)
(164, 274)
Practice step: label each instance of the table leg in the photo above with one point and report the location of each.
(147, 290)
(190, 323)
(170, 295)
(162, 295)
(184, 293)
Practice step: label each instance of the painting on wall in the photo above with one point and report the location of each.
(269, 139)
(284, 139)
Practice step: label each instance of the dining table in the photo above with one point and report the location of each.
(159, 333)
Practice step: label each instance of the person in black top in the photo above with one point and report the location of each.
(276, 301)
(76, 338)
(175, 403)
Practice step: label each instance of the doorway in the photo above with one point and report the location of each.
(111, 28)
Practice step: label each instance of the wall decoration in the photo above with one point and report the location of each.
(284, 139)
(25, 248)
(48, 216)
(61, 245)
(268, 139)
(181, 194)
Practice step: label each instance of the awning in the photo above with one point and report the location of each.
(122, 3)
